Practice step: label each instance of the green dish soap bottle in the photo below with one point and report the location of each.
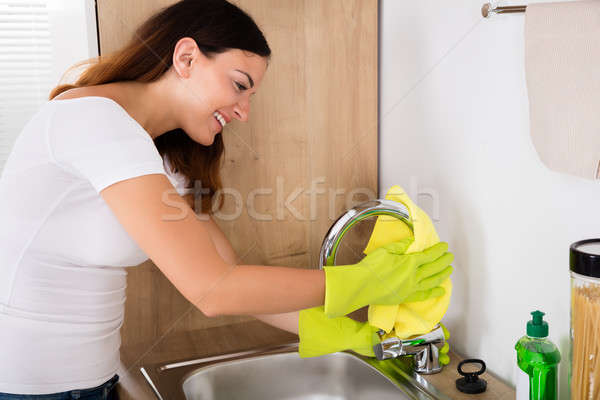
(537, 361)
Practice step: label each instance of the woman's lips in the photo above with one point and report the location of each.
(222, 117)
(217, 124)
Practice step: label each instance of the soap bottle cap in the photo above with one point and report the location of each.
(537, 327)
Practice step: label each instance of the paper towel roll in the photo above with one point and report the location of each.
(562, 67)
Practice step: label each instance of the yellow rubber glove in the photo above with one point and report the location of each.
(321, 335)
(387, 276)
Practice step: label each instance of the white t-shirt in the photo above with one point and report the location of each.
(62, 250)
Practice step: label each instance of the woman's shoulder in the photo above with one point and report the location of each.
(100, 103)
(88, 91)
(91, 95)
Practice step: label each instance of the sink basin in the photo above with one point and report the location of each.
(287, 376)
(279, 373)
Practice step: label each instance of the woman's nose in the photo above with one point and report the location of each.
(241, 110)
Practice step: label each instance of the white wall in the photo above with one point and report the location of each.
(73, 32)
(454, 132)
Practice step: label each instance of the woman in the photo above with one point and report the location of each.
(97, 160)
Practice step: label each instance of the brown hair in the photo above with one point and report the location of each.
(216, 26)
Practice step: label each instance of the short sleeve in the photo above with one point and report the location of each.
(97, 140)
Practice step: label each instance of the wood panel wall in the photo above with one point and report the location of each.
(308, 152)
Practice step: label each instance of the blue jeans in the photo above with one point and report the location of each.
(106, 391)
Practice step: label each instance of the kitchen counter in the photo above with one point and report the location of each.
(445, 382)
(181, 346)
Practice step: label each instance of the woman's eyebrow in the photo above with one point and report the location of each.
(249, 77)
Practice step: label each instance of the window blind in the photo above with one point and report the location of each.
(39, 41)
(25, 66)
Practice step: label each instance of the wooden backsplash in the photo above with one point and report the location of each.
(308, 152)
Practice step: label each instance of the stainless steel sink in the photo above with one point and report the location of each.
(280, 373)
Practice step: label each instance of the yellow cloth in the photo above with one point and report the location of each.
(416, 318)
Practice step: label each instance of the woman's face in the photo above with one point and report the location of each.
(214, 91)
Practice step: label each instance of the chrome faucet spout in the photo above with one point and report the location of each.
(354, 215)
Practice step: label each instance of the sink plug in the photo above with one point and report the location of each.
(471, 383)
(424, 348)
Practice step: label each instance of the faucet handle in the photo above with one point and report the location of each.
(388, 348)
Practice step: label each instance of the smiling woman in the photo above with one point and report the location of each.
(164, 98)
(184, 65)
(98, 200)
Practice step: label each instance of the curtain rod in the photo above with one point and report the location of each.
(488, 9)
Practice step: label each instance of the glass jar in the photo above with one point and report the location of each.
(584, 371)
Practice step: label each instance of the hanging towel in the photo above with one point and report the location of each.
(562, 55)
(416, 318)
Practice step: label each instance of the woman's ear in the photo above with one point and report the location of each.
(185, 54)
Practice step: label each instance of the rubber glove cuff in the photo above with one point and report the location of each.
(321, 335)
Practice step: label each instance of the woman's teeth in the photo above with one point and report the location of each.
(220, 118)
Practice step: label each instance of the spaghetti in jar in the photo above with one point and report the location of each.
(584, 374)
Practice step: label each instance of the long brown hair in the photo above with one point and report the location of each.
(216, 26)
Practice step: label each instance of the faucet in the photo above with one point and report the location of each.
(424, 348)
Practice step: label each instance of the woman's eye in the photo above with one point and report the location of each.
(240, 86)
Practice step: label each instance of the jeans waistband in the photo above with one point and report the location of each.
(105, 391)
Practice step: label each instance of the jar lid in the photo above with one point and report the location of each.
(584, 257)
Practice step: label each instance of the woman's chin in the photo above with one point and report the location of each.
(206, 140)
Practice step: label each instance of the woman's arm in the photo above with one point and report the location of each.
(166, 228)
(285, 321)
